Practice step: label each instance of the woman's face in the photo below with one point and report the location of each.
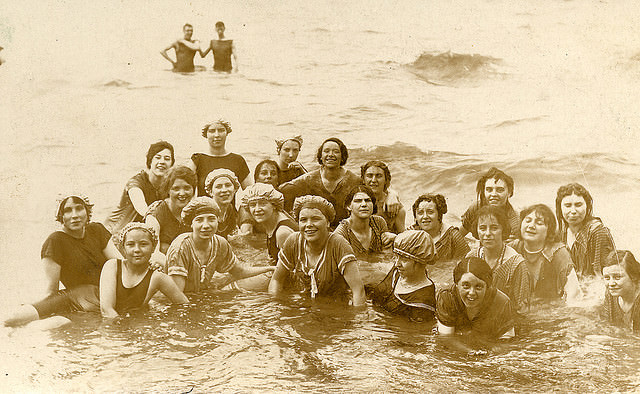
(618, 282)
(374, 177)
(406, 267)
(471, 290)
(204, 226)
(490, 232)
(261, 210)
(138, 247)
(74, 216)
(533, 229)
(574, 209)
(289, 151)
(217, 136)
(180, 193)
(161, 162)
(313, 225)
(496, 192)
(223, 191)
(268, 174)
(427, 216)
(331, 155)
(361, 206)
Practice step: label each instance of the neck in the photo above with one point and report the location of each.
(135, 268)
(435, 232)
(155, 180)
(493, 253)
(75, 234)
(317, 246)
(575, 228)
(417, 278)
(282, 164)
(332, 173)
(630, 298)
(270, 224)
(359, 223)
(221, 36)
(533, 247)
(200, 243)
(217, 151)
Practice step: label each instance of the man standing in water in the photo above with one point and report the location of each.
(185, 49)
(222, 49)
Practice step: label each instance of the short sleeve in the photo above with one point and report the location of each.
(446, 308)
(225, 258)
(380, 224)
(469, 219)
(243, 168)
(459, 246)
(53, 248)
(287, 254)
(602, 246)
(153, 209)
(504, 316)
(561, 260)
(177, 261)
(342, 252)
(342, 230)
(135, 181)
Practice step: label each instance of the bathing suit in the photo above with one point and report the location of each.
(125, 212)
(378, 227)
(184, 58)
(419, 305)
(450, 246)
(130, 298)
(222, 55)
(272, 245)
(591, 247)
(206, 163)
(170, 226)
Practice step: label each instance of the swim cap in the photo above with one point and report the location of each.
(281, 141)
(199, 206)
(263, 191)
(62, 200)
(119, 238)
(223, 122)
(217, 173)
(317, 202)
(416, 245)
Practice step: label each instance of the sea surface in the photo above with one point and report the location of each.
(547, 91)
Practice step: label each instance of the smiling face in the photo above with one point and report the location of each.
(204, 226)
(313, 225)
(361, 205)
(217, 136)
(289, 152)
(374, 177)
(188, 32)
(496, 192)
(138, 247)
(161, 163)
(490, 232)
(533, 229)
(180, 193)
(331, 154)
(427, 216)
(74, 217)
(261, 210)
(223, 190)
(471, 290)
(268, 174)
(574, 209)
(618, 282)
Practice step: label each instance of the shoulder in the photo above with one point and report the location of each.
(475, 252)
(446, 298)
(511, 254)
(379, 221)
(179, 243)
(351, 177)
(98, 230)
(342, 228)
(517, 245)
(500, 299)
(138, 179)
(110, 265)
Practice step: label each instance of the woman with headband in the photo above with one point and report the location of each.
(142, 189)
(266, 206)
(314, 260)
(74, 256)
(127, 285)
(217, 156)
(621, 274)
(193, 258)
(288, 149)
(222, 185)
(331, 181)
(407, 290)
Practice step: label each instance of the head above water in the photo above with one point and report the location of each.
(628, 262)
(476, 266)
(180, 172)
(416, 245)
(267, 163)
(546, 214)
(344, 153)
(157, 147)
(379, 164)
(312, 202)
(120, 238)
(497, 214)
(263, 191)
(220, 121)
(281, 141)
(220, 173)
(437, 199)
(76, 198)
(497, 175)
(219, 24)
(360, 189)
(199, 206)
(573, 189)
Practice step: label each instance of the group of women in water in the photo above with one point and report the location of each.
(171, 230)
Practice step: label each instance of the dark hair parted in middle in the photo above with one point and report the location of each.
(476, 266)
(578, 190)
(437, 199)
(496, 174)
(159, 147)
(344, 154)
(547, 216)
(380, 164)
(627, 261)
(263, 163)
(360, 189)
(499, 215)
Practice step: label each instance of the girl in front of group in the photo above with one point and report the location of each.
(127, 285)
(621, 274)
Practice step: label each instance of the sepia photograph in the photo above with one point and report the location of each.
(319, 196)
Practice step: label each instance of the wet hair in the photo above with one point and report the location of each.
(437, 199)
(360, 189)
(219, 23)
(496, 174)
(264, 163)
(344, 153)
(547, 215)
(159, 147)
(187, 25)
(317, 202)
(382, 166)
(627, 261)
(499, 215)
(180, 172)
(476, 266)
(578, 190)
(220, 121)
(88, 207)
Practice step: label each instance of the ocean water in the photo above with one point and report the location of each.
(546, 90)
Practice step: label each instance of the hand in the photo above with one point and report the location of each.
(393, 208)
(158, 262)
(387, 239)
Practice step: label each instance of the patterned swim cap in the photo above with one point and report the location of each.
(416, 245)
(120, 237)
(199, 206)
(263, 191)
(281, 141)
(317, 202)
(217, 173)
